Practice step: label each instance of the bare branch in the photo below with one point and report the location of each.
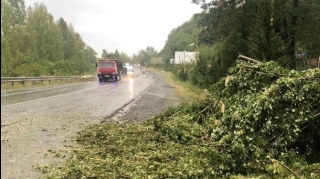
(249, 59)
(274, 160)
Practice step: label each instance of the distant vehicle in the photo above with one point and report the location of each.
(127, 64)
(130, 72)
(110, 70)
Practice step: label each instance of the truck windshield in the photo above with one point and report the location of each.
(106, 64)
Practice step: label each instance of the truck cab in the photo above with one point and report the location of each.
(109, 70)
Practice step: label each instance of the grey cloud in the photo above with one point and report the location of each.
(70, 10)
(100, 41)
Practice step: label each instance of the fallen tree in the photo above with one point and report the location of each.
(264, 122)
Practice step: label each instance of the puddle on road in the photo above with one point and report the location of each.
(117, 116)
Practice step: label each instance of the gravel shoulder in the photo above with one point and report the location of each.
(153, 101)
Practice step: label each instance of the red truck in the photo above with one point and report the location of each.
(110, 70)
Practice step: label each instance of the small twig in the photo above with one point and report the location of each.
(214, 145)
(275, 140)
(259, 72)
(205, 90)
(250, 59)
(208, 107)
(309, 78)
(214, 105)
(276, 136)
(229, 78)
(274, 160)
(307, 125)
(210, 144)
(317, 115)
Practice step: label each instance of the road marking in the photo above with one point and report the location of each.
(52, 96)
(161, 95)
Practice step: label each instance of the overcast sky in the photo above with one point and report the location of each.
(126, 25)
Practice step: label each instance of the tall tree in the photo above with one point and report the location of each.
(104, 54)
(268, 29)
(33, 44)
(181, 37)
(116, 54)
(48, 36)
(124, 57)
(14, 36)
(63, 26)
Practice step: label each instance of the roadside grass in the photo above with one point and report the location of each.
(184, 90)
(8, 86)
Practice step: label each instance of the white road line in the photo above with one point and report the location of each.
(53, 96)
(160, 95)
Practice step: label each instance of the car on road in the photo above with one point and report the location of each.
(130, 72)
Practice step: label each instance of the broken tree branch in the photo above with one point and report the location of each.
(213, 106)
(274, 160)
(249, 59)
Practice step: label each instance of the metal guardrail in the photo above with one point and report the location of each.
(44, 78)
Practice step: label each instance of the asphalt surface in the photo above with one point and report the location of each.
(37, 123)
(153, 101)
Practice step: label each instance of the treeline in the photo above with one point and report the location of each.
(116, 55)
(145, 56)
(267, 30)
(33, 44)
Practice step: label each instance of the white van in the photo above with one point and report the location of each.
(130, 72)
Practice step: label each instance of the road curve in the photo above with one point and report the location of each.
(34, 122)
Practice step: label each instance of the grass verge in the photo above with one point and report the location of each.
(184, 90)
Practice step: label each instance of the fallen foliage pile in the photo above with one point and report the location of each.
(262, 121)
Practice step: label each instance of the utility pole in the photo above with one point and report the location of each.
(197, 49)
(184, 62)
(184, 65)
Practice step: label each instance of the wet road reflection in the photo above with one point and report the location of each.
(131, 87)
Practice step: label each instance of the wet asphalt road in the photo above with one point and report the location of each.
(35, 122)
(101, 97)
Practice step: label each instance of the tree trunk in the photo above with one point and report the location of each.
(292, 44)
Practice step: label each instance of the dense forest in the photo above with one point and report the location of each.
(145, 56)
(266, 30)
(33, 44)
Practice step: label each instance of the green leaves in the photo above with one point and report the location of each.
(41, 40)
(273, 117)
